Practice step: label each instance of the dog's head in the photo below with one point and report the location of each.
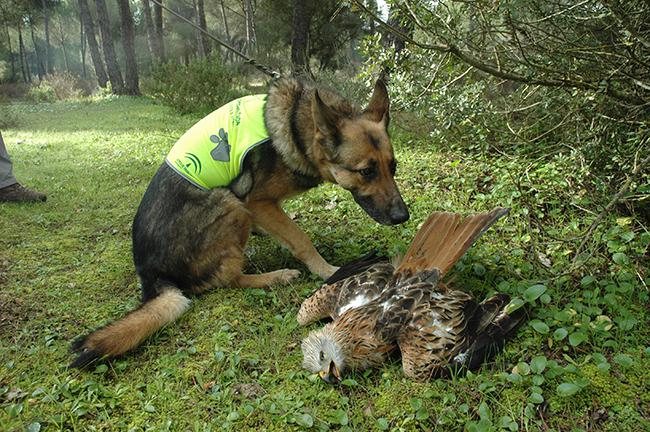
(355, 152)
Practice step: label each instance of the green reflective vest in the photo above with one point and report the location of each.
(211, 153)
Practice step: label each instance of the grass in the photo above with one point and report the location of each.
(234, 362)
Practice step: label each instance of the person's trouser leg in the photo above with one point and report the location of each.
(6, 174)
(10, 189)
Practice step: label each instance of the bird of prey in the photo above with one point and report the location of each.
(436, 328)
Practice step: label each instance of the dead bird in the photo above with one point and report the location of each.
(383, 307)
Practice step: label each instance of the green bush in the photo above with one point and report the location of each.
(201, 87)
(56, 86)
(42, 92)
(474, 113)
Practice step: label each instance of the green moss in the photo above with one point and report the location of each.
(392, 401)
(615, 404)
(605, 390)
(625, 418)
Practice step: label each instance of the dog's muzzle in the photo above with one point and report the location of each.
(398, 212)
(395, 213)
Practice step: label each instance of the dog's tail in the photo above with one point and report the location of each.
(127, 333)
(443, 239)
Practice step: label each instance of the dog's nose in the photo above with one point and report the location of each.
(398, 213)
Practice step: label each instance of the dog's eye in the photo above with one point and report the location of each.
(322, 356)
(368, 172)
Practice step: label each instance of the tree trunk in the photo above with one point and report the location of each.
(46, 20)
(152, 37)
(39, 61)
(200, 51)
(95, 55)
(300, 38)
(62, 40)
(225, 21)
(112, 67)
(205, 42)
(158, 24)
(82, 45)
(128, 41)
(249, 15)
(11, 55)
(227, 53)
(24, 66)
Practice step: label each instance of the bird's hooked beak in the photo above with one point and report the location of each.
(332, 375)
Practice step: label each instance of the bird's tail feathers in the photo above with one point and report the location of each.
(443, 239)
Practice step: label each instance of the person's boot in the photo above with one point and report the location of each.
(19, 193)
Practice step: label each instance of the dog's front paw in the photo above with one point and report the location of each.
(287, 275)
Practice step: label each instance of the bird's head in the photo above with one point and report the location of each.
(323, 354)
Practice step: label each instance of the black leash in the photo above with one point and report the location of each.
(268, 71)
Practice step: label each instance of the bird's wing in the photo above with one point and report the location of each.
(486, 312)
(436, 333)
(333, 299)
(443, 239)
(487, 331)
(320, 304)
(355, 267)
(400, 301)
(396, 306)
(361, 289)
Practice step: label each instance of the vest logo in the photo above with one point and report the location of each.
(192, 162)
(222, 151)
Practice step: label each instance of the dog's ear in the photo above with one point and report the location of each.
(326, 119)
(379, 105)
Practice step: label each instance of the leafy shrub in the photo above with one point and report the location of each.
(202, 86)
(86, 87)
(471, 112)
(56, 86)
(65, 85)
(42, 92)
(104, 92)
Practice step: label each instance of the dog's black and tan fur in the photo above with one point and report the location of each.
(187, 240)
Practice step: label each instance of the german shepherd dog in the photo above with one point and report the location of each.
(187, 240)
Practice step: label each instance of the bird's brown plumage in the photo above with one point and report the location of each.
(330, 300)
(384, 307)
(450, 330)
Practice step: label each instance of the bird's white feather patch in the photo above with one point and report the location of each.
(461, 358)
(356, 302)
